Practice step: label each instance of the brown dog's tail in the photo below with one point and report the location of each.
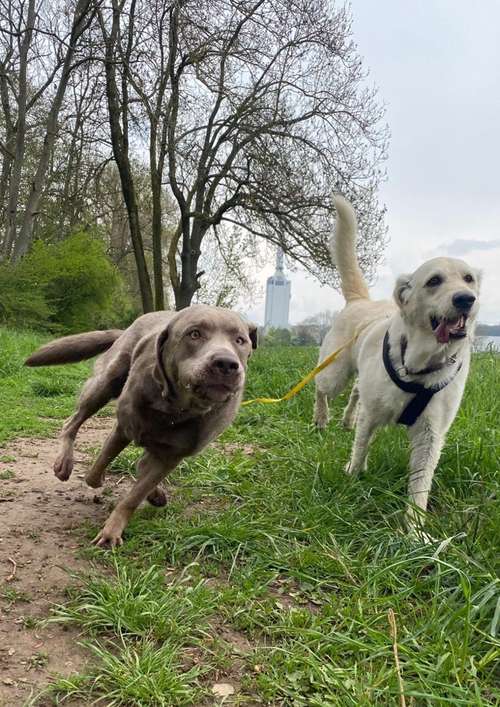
(343, 252)
(71, 349)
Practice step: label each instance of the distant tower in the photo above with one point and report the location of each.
(277, 297)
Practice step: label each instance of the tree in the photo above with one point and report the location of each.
(277, 337)
(227, 277)
(28, 36)
(281, 119)
(319, 324)
(118, 111)
(244, 113)
(251, 113)
(305, 335)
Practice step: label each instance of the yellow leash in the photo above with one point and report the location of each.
(297, 388)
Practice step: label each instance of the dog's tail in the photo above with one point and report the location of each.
(71, 349)
(343, 251)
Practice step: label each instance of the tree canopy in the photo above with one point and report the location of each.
(224, 113)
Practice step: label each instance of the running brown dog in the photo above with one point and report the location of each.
(179, 379)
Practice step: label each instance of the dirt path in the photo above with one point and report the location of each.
(40, 535)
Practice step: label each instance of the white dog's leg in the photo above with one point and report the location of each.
(350, 412)
(330, 383)
(321, 413)
(426, 448)
(364, 430)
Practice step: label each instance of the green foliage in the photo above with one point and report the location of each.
(66, 286)
(277, 337)
(303, 337)
(22, 301)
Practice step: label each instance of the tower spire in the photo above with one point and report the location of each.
(279, 260)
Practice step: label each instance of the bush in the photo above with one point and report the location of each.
(66, 286)
(277, 337)
(22, 301)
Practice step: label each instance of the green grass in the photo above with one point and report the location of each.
(33, 400)
(271, 570)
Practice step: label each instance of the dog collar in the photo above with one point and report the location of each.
(424, 371)
(422, 394)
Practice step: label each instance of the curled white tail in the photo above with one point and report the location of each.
(343, 251)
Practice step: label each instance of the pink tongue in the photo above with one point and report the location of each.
(442, 332)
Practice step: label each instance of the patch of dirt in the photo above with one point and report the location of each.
(40, 536)
(248, 450)
(232, 671)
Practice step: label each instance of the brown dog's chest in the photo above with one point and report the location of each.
(149, 426)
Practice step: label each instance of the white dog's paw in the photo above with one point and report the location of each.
(350, 470)
(417, 533)
(422, 537)
(349, 422)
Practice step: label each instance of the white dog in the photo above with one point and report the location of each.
(411, 356)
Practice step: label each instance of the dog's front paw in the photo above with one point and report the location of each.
(157, 498)
(415, 532)
(94, 480)
(350, 469)
(108, 539)
(63, 466)
(349, 422)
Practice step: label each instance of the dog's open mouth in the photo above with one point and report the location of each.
(446, 329)
(216, 392)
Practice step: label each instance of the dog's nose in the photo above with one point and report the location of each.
(463, 301)
(225, 365)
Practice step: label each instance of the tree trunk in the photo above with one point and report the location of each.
(156, 230)
(187, 286)
(20, 133)
(25, 237)
(119, 141)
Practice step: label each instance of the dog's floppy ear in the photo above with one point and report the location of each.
(402, 290)
(253, 334)
(160, 373)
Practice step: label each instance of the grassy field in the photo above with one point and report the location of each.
(272, 571)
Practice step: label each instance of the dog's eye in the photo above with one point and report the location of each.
(468, 278)
(434, 281)
(241, 340)
(194, 334)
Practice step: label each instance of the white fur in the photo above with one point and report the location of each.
(376, 400)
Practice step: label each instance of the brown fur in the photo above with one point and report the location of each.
(179, 379)
(71, 349)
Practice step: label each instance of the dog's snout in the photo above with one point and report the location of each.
(463, 301)
(225, 365)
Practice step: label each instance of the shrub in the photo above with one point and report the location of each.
(66, 286)
(277, 337)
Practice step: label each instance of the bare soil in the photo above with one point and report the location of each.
(40, 537)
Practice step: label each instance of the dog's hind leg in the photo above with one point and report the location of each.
(97, 391)
(426, 446)
(351, 410)
(114, 444)
(321, 413)
(364, 430)
(330, 383)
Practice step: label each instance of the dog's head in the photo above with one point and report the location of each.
(202, 354)
(441, 297)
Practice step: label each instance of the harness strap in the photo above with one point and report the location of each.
(422, 394)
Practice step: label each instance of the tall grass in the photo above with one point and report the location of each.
(272, 570)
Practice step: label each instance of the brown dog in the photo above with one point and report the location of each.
(179, 379)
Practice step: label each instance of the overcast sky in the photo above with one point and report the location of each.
(437, 67)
